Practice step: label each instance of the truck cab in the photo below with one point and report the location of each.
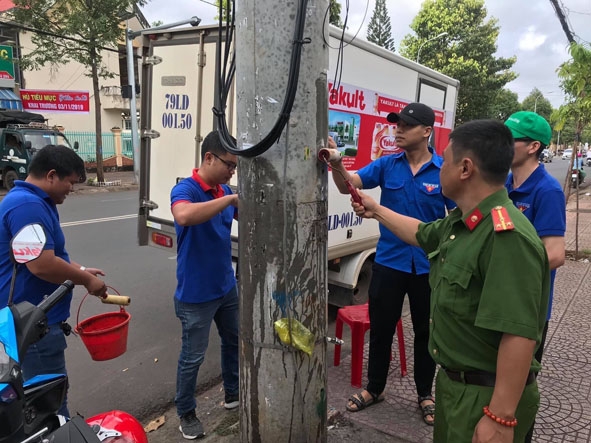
(19, 140)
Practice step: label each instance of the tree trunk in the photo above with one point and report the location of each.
(100, 175)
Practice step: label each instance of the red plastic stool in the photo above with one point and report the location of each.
(357, 317)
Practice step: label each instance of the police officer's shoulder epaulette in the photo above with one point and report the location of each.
(501, 220)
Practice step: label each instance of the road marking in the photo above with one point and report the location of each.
(118, 199)
(97, 220)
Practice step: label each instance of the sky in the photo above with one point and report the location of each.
(529, 30)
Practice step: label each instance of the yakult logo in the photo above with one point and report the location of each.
(383, 141)
(347, 99)
(388, 142)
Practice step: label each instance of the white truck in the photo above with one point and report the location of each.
(178, 85)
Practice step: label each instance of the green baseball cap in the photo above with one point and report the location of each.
(527, 124)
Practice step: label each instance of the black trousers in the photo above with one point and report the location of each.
(386, 297)
(539, 354)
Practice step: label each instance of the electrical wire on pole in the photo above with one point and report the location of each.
(562, 18)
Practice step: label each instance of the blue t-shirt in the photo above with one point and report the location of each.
(417, 196)
(541, 200)
(204, 251)
(23, 205)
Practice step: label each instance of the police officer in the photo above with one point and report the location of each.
(490, 278)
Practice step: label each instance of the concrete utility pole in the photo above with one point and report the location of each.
(283, 224)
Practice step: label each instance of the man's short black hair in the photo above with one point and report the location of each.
(211, 143)
(59, 157)
(490, 145)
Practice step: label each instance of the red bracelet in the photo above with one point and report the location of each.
(509, 423)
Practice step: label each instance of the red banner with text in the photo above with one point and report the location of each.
(38, 100)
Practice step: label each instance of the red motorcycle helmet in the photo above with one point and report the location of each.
(130, 429)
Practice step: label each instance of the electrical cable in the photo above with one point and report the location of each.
(340, 49)
(291, 89)
(356, 33)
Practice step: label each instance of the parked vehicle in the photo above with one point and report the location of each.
(588, 161)
(567, 154)
(21, 134)
(337, 138)
(178, 78)
(28, 410)
(546, 156)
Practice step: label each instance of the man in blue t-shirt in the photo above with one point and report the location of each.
(538, 195)
(53, 172)
(410, 185)
(203, 207)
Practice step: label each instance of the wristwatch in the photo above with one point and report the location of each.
(83, 268)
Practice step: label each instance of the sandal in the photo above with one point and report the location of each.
(428, 410)
(361, 403)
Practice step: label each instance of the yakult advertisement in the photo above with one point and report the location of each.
(357, 122)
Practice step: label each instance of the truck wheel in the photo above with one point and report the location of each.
(360, 292)
(8, 179)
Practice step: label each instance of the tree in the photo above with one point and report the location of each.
(225, 9)
(536, 102)
(504, 104)
(75, 30)
(379, 30)
(465, 53)
(335, 13)
(575, 76)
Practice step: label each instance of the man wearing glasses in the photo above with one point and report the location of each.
(203, 207)
(538, 195)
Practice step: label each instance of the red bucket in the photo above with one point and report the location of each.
(104, 335)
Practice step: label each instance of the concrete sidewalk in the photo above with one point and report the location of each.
(564, 414)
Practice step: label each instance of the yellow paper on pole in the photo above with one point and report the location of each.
(303, 339)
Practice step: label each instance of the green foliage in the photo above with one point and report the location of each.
(536, 102)
(465, 53)
(157, 23)
(76, 30)
(575, 76)
(335, 13)
(379, 30)
(568, 132)
(504, 104)
(224, 9)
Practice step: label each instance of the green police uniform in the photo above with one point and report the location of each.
(488, 270)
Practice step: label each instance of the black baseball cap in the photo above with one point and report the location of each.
(414, 114)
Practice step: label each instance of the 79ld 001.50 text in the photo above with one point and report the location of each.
(176, 120)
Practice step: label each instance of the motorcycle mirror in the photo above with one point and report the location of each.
(27, 245)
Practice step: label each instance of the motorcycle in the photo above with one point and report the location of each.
(588, 161)
(28, 409)
(577, 177)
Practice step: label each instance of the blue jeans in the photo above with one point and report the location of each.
(47, 356)
(196, 321)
